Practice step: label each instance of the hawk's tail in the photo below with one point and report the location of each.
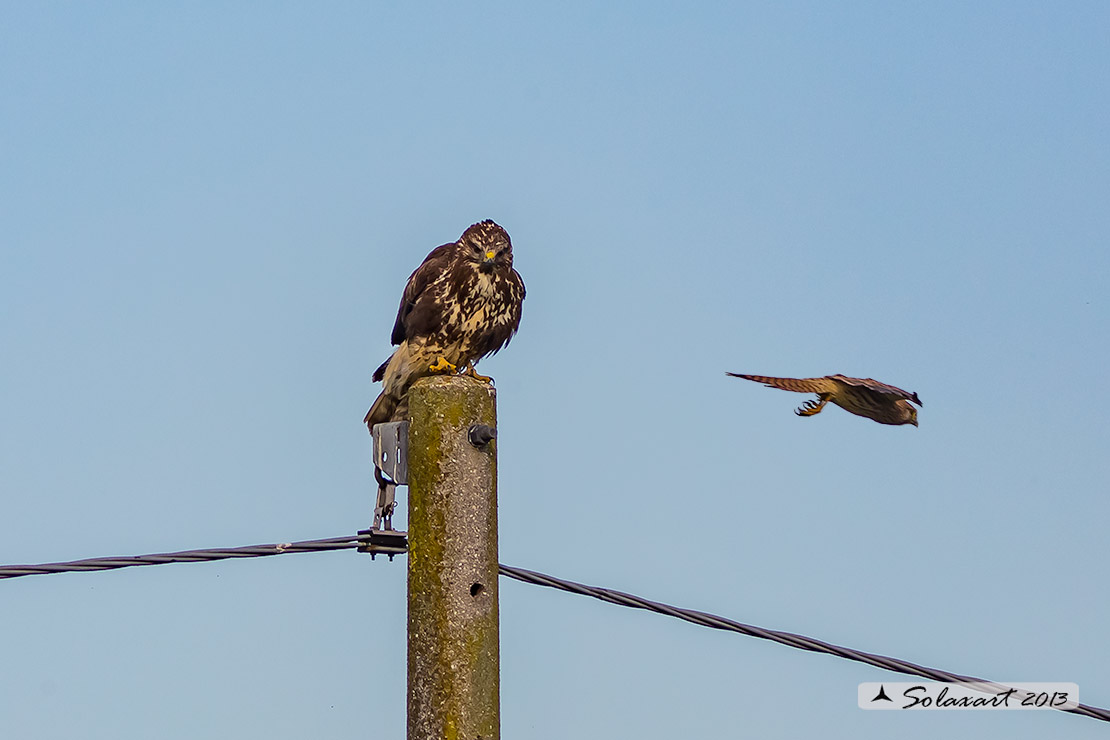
(381, 411)
(379, 374)
(384, 405)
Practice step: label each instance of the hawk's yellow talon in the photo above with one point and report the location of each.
(442, 366)
(471, 372)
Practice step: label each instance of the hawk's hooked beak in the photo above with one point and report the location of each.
(490, 256)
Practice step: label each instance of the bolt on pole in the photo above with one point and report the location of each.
(453, 642)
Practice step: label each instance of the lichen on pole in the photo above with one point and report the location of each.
(453, 650)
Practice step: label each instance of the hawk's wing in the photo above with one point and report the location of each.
(432, 267)
(884, 390)
(502, 331)
(799, 385)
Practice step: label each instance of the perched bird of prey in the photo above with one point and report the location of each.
(461, 304)
(861, 396)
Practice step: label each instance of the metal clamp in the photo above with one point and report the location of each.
(386, 503)
(383, 542)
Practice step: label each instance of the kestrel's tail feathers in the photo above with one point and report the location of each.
(798, 385)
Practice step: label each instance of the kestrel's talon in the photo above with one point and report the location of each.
(442, 366)
(471, 372)
(809, 408)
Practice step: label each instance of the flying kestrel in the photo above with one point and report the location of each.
(877, 401)
(461, 304)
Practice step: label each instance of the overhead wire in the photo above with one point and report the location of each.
(184, 556)
(897, 665)
(608, 595)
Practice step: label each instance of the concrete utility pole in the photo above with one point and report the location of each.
(454, 661)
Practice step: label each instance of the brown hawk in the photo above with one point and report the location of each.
(877, 401)
(461, 304)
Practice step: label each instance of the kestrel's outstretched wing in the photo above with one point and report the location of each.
(877, 387)
(886, 404)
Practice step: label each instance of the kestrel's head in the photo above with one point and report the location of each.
(908, 412)
(487, 245)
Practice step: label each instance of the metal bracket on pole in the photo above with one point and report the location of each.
(391, 450)
(391, 445)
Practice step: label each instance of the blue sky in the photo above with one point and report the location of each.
(207, 214)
